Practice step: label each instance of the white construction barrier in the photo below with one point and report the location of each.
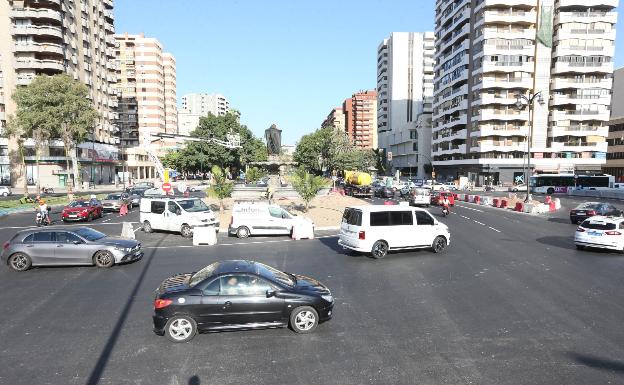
(486, 201)
(302, 229)
(557, 203)
(127, 231)
(204, 235)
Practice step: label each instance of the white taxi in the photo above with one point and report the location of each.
(601, 232)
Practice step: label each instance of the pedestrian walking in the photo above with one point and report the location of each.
(123, 210)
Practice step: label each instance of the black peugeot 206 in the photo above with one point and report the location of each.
(239, 295)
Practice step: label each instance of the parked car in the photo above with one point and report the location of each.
(437, 196)
(420, 197)
(384, 192)
(67, 246)
(113, 202)
(451, 186)
(590, 209)
(82, 210)
(135, 195)
(262, 219)
(517, 187)
(5, 191)
(379, 229)
(179, 215)
(601, 232)
(239, 295)
(199, 187)
(144, 185)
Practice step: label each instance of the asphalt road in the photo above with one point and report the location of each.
(511, 301)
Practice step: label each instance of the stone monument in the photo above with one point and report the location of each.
(273, 137)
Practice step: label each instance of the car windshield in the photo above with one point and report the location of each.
(113, 197)
(193, 205)
(275, 275)
(584, 206)
(78, 204)
(89, 234)
(203, 274)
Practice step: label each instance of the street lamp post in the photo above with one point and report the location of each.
(522, 102)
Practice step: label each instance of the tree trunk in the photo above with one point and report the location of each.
(75, 170)
(38, 155)
(24, 171)
(68, 180)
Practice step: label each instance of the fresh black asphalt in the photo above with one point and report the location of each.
(510, 302)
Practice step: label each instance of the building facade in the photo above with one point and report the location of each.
(360, 112)
(195, 106)
(53, 37)
(146, 87)
(615, 141)
(336, 119)
(405, 63)
(487, 53)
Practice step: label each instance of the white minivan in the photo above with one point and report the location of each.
(379, 229)
(261, 218)
(179, 215)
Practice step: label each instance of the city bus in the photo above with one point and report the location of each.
(562, 183)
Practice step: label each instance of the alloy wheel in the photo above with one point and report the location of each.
(380, 249)
(19, 262)
(180, 329)
(305, 320)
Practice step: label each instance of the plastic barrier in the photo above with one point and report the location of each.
(127, 231)
(302, 229)
(204, 235)
(476, 199)
(466, 197)
(551, 206)
(503, 204)
(547, 199)
(487, 201)
(557, 203)
(388, 203)
(496, 202)
(519, 207)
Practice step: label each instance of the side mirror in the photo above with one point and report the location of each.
(178, 212)
(77, 242)
(271, 293)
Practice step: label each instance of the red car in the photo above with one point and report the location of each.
(82, 210)
(436, 197)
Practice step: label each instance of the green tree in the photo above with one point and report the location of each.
(254, 174)
(307, 185)
(222, 187)
(53, 107)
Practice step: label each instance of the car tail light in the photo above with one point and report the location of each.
(362, 235)
(580, 229)
(591, 212)
(6, 245)
(613, 233)
(162, 303)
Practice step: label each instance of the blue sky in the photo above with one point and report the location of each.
(279, 61)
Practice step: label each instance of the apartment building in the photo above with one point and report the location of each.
(197, 105)
(147, 95)
(360, 112)
(47, 37)
(615, 141)
(488, 52)
(336, 119)
(405, 63)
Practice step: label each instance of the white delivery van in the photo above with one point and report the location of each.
(179, 215)
(379, 229)
(420, 197)
(251, 218)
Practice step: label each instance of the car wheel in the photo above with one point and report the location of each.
(4, 194)
(103, 258)
(380, 249)
(580, 247)
(181, 328)
(147, 227)
(439, 244)
(20, 262)
(186, 231)
(304, 319)
(242, 232)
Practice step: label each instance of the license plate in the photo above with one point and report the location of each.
(580, 213)
(594, 233)
(73, 215)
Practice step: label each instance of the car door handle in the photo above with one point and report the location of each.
(59, 245)
(227, 304)
(30, 245)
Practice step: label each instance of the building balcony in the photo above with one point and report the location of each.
(582, 131)
(2, 115)
(32, 13)
(580, 115)
(510, 114)
(39, 48)
(109, 28)
(510, 3)
(487, 98)
(24, 80)
(586, 17)
(448, 95)
(450, 37)
(585, 33)
(491, 130)
(560, 83)
(490, 146)
(516, 33)
(588, 3)
(453, 149)
(502, 66)
(452, 122)
(459, 134)
(505, 49)
(443, 16)
(462, 105)
(109, 14)
(38, 30)
(39, 64)
(582, 67)
(585, 51)
(579, 147)
(526, 83)
(582, 100)
(528, 17)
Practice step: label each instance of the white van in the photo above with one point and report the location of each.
(378, 229)
(179, 215)
(251, 218)
(420, 197)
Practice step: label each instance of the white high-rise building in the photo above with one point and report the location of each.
(405, 90)
(194, 106)
(488, 52)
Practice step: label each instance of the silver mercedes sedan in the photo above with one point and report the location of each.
(67, 246)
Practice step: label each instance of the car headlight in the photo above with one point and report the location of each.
(328, 298)
(124, 249)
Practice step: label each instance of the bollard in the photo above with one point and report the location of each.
(388, 203)
(519, 206)
(552, 206)
(547, 199)
(204, 235)
(496, 202)
(466, 197)
(127, 231)
(503, 204)
(476, 199)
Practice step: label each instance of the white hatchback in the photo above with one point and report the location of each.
(601, 232)
(379, 229)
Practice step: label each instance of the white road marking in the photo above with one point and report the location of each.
(65, 225)
(470, 208)
(464, 217)
(234, 244)
(482, 224)
(491, 228)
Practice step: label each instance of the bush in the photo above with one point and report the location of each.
(307, 185)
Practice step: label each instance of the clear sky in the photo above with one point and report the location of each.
(279, 61)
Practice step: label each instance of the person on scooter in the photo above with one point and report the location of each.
(446, 204)
(43, 210)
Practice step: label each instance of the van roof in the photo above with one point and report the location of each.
(375, 208)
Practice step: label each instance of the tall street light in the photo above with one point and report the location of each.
(522, 102)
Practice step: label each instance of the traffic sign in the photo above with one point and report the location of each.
(166, 187)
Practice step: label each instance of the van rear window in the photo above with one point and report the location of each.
(352, 217)
(598, 225)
